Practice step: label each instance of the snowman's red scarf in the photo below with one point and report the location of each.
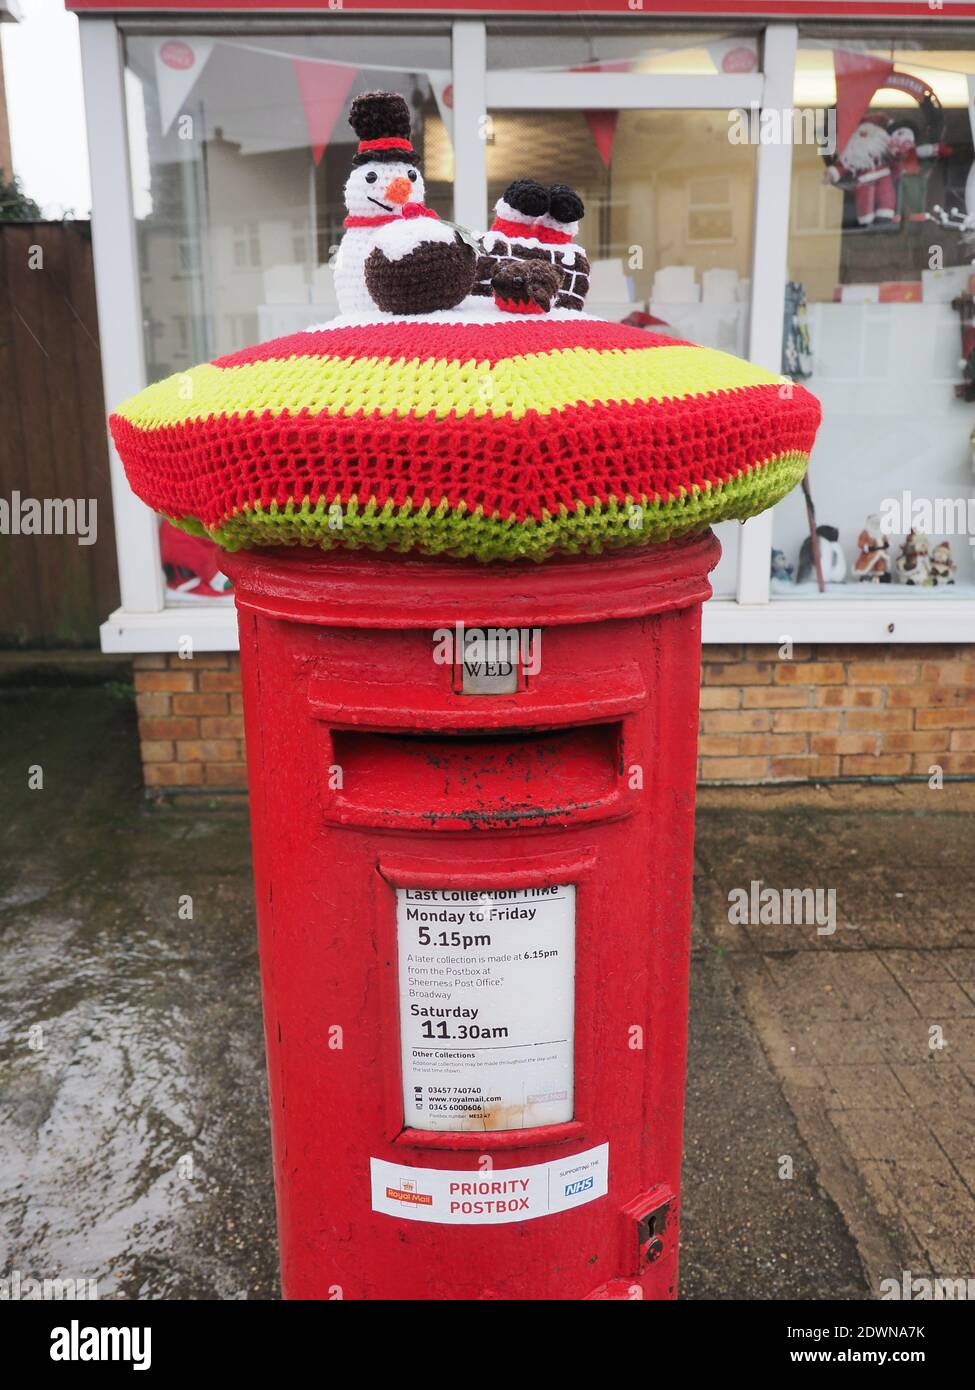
(410, 210)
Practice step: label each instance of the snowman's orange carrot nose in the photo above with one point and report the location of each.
(398, 191)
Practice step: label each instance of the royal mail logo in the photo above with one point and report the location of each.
(407, 1192)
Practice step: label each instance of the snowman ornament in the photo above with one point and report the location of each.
(396, 256)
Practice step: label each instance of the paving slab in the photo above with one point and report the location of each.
(872, 1046)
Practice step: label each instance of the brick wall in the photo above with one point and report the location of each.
(836, 711)
(828, 711)
(191, 730)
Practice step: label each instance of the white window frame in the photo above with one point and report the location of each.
(143, 623)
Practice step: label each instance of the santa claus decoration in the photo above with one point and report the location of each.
(533, 222)
(396, 255)
(872, 564)
(913, 560)
(943, 566)
(868, 162)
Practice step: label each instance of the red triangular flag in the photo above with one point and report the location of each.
(858, 75)
(603, 124)
(323, 88)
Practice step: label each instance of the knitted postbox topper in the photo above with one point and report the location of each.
(461, 404)
(471, 432)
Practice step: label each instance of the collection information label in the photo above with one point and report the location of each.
(487, 999)
(487, 1198)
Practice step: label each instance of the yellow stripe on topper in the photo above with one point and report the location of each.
(511, 387)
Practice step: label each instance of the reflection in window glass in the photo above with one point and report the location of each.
(887, 281)
(591, 45)
(240, 151)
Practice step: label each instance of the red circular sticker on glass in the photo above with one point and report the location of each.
(739, 60)
(177, 54)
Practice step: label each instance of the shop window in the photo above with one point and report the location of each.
(879, 304)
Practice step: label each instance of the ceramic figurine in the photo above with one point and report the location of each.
(831, 557)
(913, 561)
(781, 569)
(872, 565)
(943, 566)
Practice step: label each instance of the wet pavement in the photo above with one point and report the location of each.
(133, 1141)
(134, 1147)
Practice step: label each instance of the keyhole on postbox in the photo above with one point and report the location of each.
(650, 1230)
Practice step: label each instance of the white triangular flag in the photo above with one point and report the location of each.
(179, 63)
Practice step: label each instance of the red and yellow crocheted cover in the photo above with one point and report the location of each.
(458, 436)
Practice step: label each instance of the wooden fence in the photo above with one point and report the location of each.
(53, 591)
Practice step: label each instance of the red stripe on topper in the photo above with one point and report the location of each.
(452, 342)
(515, 467)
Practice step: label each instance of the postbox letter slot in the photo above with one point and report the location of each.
(477, 781)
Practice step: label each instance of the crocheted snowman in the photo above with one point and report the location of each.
(396, 255)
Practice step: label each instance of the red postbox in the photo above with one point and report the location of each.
(471, 775)
(474, 909)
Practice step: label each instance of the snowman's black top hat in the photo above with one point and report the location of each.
(382, 122)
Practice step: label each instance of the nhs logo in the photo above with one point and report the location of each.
(572, 1189)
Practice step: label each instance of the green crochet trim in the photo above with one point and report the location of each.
(462, 534)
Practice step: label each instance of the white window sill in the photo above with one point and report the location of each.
(918, 618)
(210, 628)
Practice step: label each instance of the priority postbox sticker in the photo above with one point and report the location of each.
(487, 1003)
(460, 1197)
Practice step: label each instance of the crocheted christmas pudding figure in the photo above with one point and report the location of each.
(396, 255)
(525, 287)
(533, 222)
